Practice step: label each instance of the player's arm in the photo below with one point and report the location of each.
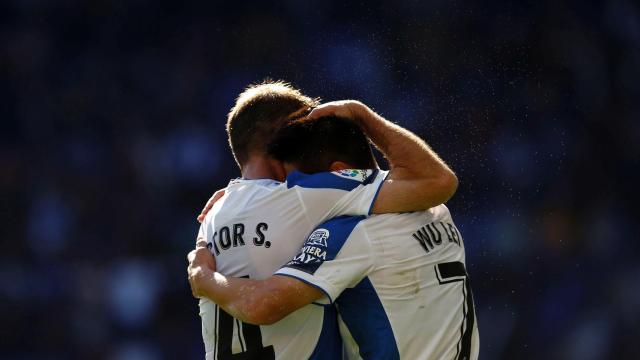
(418, 178)
(260, 302)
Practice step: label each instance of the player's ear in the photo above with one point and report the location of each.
(339, 165)
(278, 169)
(289, 167)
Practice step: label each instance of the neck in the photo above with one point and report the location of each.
(260, 167)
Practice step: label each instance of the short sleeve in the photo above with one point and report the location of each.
(205, 232)
(330, 194)
(201, 232)
(336, 256)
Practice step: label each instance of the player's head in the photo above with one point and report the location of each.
(324, 144)
(258, 114)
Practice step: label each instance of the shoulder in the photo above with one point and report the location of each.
(252, 188)
(333, 233)
(324, 243)
(440, 212)
(342, 180)
(252, 183)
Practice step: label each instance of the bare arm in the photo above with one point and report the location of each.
(418, 178)
(260, 302)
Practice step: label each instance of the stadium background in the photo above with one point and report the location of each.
(113, 138)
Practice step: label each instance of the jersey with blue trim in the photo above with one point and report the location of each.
(399, 283)
(257, 226)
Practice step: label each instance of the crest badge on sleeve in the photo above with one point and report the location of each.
(353, 174)
(314, 251)
(318, 238)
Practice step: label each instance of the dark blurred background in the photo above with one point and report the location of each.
(113, 138)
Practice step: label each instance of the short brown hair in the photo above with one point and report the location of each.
(313, 145)
(260, 110)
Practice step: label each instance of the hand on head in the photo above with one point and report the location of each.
(349, 109)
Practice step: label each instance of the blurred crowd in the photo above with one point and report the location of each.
(113, 138)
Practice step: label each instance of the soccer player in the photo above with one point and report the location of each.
(260, 223)
(398, 280)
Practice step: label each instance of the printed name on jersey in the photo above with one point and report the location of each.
(234, 235)
(314, 250)
(353, 174)
(430, 235)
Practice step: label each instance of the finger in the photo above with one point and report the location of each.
(322, 110)
(192, 273)
(192, 285)
(191, 256)
(202, 258)
(216, 196)
(205, 209)
(209, 205)
(201, 243)
(200, 239)
(203, 213)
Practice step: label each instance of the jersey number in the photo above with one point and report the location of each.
(455, 271)
(249, 336)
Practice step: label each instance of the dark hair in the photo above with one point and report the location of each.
(259, 112)
(312, 145)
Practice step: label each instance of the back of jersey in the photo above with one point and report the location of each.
(255, 228)
(417, 295)
(399, 282)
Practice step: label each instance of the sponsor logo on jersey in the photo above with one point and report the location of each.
(314, 249)
(318, 238)
(353, 174)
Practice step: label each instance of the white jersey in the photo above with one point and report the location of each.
(399, 283)
(257, 226)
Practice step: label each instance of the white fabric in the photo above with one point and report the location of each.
(427, 314)
(270, 221)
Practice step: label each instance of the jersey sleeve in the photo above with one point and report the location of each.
(201, 232)
(336, 256)
(330, 194)
(204, 232)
